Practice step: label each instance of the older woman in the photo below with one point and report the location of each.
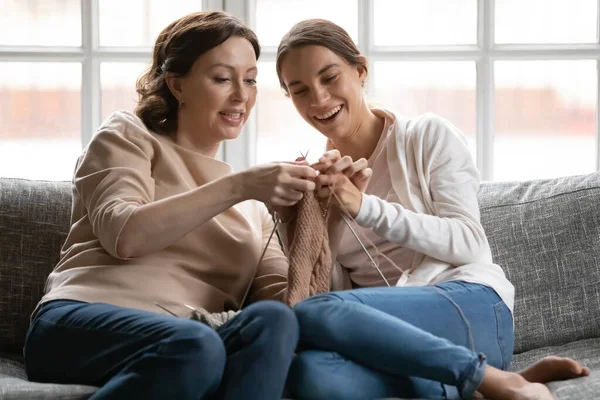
(157, 222)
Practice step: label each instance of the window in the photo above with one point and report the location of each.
(523, 90)
(65, 65)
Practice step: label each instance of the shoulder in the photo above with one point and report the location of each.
(434, 128)
(123, 130)
(432, 137)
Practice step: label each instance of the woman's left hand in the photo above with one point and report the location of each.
(345, 178)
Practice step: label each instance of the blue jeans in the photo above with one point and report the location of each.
(133, 354)
(408, 342)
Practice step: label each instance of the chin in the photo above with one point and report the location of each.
(227, 134)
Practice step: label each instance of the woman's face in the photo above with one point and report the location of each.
(326, 91)
(220, 91)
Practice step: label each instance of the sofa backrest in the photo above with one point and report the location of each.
(546, 236)
(34, 222)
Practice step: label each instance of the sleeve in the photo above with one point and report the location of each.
(454, 234)
(270, 281)
(113, 178)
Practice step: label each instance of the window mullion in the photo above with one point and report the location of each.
(365, 35)
(485, 89)
(598, 91)
(90, 86)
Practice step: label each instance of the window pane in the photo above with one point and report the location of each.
(555, 21)
(545, 119)
(138, 22)
(118, 86)
(40, 22)
(40, 119)
(446, 88)
(282, 134)
(425, 22)
(275, 17)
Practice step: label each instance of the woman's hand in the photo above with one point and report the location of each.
(345, 178)
(279, 184)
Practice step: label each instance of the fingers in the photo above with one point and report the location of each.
(298, 170)
(362, 178)
(347, 167)
(327, 160)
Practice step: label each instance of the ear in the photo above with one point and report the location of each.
(362, 73)
(174, 84)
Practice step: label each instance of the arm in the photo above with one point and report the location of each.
(115, 183)
(454, 234)
(114, 180)
(270, 282)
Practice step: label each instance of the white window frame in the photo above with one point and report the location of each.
(242, 152)
(90, 55)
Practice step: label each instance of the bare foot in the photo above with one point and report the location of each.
(532, 391)
(553, 368)
(502, 385)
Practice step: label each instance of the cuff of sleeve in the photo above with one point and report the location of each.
(366, 212)
(113, 239)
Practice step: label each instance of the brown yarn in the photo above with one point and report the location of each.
(309, 256)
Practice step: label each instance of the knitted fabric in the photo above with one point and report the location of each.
(214, 320)
(309, 259)
(309, 256)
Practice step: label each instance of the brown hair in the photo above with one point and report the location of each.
(176, 50)
(319, 32)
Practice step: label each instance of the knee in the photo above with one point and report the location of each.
(197, 349)
(315, 309)
(316, 375)
(276, 320)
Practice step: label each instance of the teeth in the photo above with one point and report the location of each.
(330, 113)
(232, 115)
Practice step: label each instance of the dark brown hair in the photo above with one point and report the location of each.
(319, 32)
(176, 49)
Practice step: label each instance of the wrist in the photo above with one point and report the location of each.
(238, 187)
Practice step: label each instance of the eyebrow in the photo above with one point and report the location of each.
(321, 72)
(231, 67)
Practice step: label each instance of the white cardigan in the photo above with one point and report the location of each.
(440, 218)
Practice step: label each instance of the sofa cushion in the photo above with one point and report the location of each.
(15, 386)
(585, 351)
(34, 222)
(546, 236)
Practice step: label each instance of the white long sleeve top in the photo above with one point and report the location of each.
(437, 214)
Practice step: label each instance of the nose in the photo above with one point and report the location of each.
(320, 96)
(240, 92)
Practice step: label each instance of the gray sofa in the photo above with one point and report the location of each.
(546, 234)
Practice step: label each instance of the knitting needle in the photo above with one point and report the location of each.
(166, 309)
(304, 156)
(276, 219)
(364, 249)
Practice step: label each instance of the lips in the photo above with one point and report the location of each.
(329, 114)
(232, 117)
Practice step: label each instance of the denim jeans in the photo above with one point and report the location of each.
(133, 354)
(409, 342)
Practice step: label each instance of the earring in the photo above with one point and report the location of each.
(181, 103)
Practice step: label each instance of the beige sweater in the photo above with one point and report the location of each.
(126, 166)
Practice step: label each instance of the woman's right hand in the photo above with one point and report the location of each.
(279, 184)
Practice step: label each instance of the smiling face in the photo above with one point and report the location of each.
(325, 89)
(218, 93)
